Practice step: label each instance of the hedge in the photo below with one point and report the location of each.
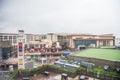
(13, 75)
(71, 72)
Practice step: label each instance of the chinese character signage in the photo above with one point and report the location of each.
(20, 54)
(20, 51)
(20, 61)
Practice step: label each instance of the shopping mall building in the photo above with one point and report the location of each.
(91, 40)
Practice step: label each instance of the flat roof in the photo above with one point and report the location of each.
(106, 54)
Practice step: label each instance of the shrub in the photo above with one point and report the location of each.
(71, 72)
(13, 75)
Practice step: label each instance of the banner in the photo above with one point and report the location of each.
(20, 50)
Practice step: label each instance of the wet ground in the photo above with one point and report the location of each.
(52, 76)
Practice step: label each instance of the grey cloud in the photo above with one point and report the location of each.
(43, 16)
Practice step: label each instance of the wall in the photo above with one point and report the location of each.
(97, 43)
(0, 54)
(111, 42)
(29, 65)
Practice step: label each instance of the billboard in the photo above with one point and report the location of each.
(20, 61)
(20, 47)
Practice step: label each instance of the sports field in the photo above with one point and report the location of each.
(107, 54)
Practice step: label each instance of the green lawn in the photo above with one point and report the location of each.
(107, 54)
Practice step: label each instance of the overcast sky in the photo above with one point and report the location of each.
(71, 16)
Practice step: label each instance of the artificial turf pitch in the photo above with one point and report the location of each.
(107, 54)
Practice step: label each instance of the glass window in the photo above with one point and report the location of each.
(5, 37)
(43, 37)
(14, 37)
(10, 37)
(14, 41)
(1, 37)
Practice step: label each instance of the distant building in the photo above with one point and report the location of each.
(75, 40)
(87, 40)
(0, 54)
(5, 49)
(61, 39)
(117, 41)
(12, 38)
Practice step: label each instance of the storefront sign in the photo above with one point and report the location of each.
(20, 50)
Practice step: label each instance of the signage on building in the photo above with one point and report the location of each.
(43, 50)
(20, 50)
